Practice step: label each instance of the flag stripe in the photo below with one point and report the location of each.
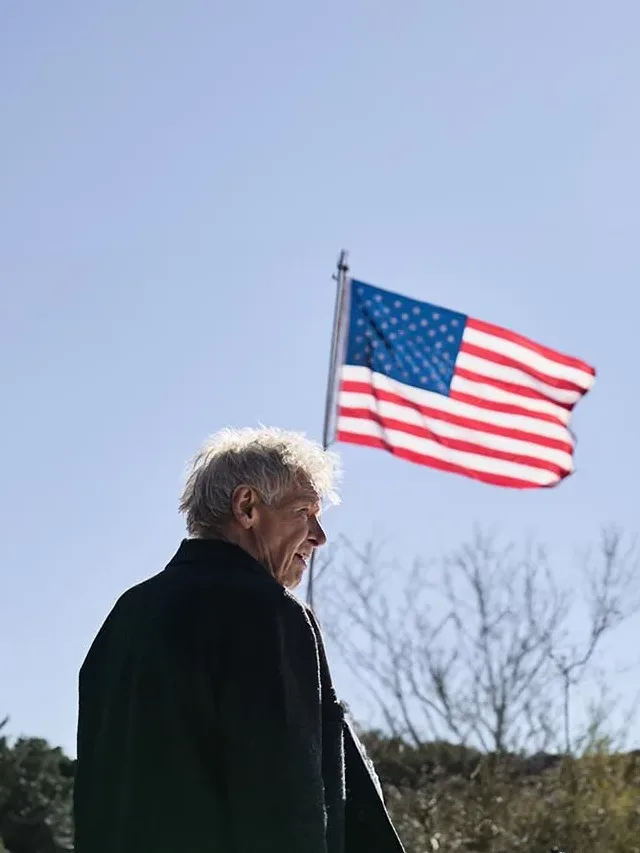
(438, 464)
(535, 406)
(511, 363)
(457, 438)
(527, 343)
(516, 355)
(492, 369)
(361, 380)
(453, 412)
(511, 388)
(431, 452)
(507, 408)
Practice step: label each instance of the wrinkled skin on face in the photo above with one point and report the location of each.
(281, 536)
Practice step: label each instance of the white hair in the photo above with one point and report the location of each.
(268, 460)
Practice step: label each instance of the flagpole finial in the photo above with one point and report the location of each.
(342, 265)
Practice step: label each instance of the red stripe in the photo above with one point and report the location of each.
(511, 387)
(505, 408)
(452, 443)
(507, 361)
(439, 464)
(458, 420)
(554, 355)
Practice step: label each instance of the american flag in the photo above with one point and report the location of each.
(441, 389)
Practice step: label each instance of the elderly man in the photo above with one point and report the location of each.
(207, 718)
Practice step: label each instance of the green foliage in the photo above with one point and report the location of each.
(489, 804)
(442, 797)
(36, 783)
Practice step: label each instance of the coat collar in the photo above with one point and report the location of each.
(216, 553)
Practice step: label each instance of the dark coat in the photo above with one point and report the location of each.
(208, 723)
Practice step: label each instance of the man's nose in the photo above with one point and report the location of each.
(317, 536)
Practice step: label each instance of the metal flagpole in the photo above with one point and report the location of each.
(340, 277)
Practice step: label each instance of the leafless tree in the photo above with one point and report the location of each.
(478, 647)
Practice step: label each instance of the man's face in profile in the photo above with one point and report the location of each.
(288, 532)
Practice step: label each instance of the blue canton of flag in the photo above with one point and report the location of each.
(413, 342)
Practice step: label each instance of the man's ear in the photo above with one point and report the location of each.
(243, 506)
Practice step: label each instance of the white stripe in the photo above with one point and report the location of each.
(470, 461)
(496, 395)
(447, 430)
(529, 358)
(484, 367)
(455, 407)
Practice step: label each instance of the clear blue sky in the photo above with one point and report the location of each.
(176, 180)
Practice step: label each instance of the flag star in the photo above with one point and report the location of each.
(443, 328)
(419, 339)
(385, 309)
(424, 322)
(432, 332)
(378, 297)
(423, 379)
(405, 375)
(416, 370)
(357, 356)
(438, 344)
(360, 291)
(374, 343)
(382, 356)
(416, 310)
(359, 339)
(360, 321)
(405, 316)
(450, 338)
(368, 303)
(454, 322)
(397, 304)
(392, 336)
(394, 320)
(445, 355)
(384, 325)
(435, 315)
(387, 367)
(412, 327)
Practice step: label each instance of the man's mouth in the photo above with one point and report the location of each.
(304, 558)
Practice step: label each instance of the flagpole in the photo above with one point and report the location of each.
(340, 277)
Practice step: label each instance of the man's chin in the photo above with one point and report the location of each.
(294, 580)
(293, 577)
(293, 574)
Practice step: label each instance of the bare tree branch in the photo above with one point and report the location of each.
(476, 647)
